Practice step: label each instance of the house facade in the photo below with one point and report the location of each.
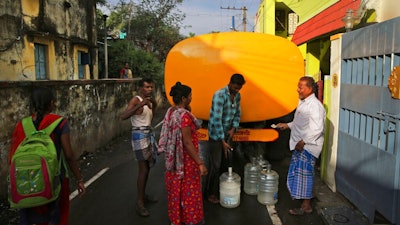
(48, 40)
(310, 24)
(353, 47)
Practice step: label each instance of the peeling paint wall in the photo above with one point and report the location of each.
(91, 107)
(64, 27)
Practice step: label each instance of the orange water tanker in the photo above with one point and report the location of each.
(271, 66)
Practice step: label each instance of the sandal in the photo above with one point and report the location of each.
(142, 211)
(213, 199)
(299, 211)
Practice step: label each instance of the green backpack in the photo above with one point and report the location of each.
(34, 177)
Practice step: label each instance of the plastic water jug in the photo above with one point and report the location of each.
(262, 162)
(268, 186)
(251, 172)
(229, 189)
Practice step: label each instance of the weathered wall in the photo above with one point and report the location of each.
(63, 27)
(91, 107)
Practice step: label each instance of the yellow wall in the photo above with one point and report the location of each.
(307, 9)
(266, 17)
(60, 34)
(312, 60)
(30, 8)
(303, 50)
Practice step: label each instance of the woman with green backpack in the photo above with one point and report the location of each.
(42, 120)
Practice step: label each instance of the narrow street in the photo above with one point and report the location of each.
(112, 196)
(110, 175)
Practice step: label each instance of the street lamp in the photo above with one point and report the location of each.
(105, 48)
(349, 19)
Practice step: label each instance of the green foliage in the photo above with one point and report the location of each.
(100, 25)
(146, 65)
(119, 17)
(155, 26)
(152, 28)
(101, 2)
(119, 52)
(142, 64)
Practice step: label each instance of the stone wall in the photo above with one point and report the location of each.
(92, 108)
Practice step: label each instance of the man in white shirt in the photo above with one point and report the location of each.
(306, 140)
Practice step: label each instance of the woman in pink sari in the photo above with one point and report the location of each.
(184, 167)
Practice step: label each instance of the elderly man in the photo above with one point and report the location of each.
(306, 140)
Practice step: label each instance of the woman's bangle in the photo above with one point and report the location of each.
(201, 164)
(80, 181)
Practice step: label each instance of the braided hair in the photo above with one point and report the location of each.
(178, 91)
(41, 99)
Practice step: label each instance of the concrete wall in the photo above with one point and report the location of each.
(92, 108)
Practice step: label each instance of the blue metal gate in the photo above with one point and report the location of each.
(368, 162)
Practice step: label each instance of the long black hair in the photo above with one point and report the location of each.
(41, 99)
(178, 91)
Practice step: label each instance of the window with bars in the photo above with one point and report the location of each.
(40, 61)
(81, 66)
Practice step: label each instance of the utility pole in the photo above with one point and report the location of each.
(244, 9)
(105, 48)
(129, 23)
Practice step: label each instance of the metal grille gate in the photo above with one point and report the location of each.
(368, 162)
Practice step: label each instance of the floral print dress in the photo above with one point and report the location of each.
(185, 201)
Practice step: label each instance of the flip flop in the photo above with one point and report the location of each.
(299, 211)
(142, 211)
(213, 199)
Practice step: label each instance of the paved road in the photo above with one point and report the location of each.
(111, 198)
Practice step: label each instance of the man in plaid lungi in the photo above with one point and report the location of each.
(306, 140)
(140, 111)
